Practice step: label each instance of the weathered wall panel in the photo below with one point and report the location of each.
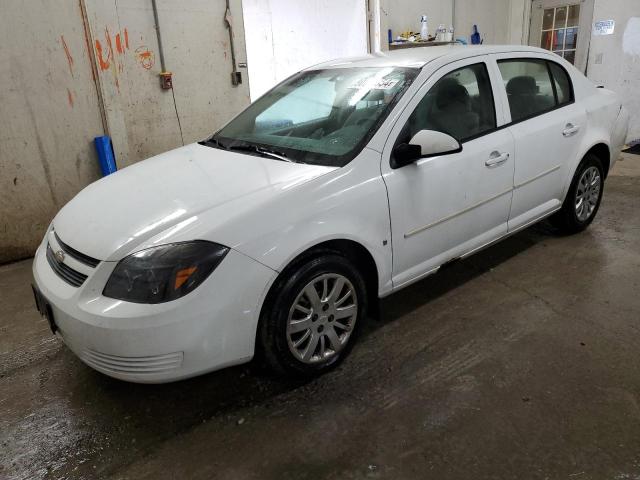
(51, 107)
(49, 114)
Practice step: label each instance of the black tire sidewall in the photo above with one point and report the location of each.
(570, 217)
(274, 322)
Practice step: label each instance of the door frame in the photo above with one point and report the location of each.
(584, 25)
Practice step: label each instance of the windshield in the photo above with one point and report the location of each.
(324, 117)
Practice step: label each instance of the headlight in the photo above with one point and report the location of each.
(164, 273)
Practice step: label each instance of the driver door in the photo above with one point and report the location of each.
(444, 206)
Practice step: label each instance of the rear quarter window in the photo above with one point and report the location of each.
(564, 88)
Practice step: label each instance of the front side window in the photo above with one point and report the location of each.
(322, 117)
(532, 89)
(459, 104)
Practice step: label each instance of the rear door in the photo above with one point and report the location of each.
(547, 126)
(444, 206)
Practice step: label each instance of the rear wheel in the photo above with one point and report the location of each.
(310, 320)
(583, 198)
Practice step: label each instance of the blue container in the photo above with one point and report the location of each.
(105, 155)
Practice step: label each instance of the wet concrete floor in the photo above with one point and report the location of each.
(520, 362)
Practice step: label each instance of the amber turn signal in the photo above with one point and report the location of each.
(182, 276)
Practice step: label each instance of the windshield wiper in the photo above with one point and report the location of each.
(213, 142)
(265, 152)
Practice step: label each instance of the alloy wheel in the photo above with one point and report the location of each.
(322, 318)
(587, 193)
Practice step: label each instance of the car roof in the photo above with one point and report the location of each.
(418, 57)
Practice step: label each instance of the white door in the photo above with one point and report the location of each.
(444, 206)
(564, 27)
(547, 126)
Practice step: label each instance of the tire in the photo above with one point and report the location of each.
(572, 218)
(293, 321)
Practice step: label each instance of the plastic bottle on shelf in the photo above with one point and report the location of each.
(450, 34)
(424, 29)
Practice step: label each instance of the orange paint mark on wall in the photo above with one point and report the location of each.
(103, 63)
(70, 98)
(119, 44)
(126, 39)
(68, 54)
(145, 57)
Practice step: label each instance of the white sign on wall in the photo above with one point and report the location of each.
(604, 27)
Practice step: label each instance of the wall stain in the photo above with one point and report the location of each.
(70, 98)
(68, 55)
(46, 167)
(145, 57)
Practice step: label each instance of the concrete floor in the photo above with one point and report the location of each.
(521, 362)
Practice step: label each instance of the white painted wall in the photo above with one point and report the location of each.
(402, 15)
(492, 18)
(614, 60)
(284, 36)
(499, 21)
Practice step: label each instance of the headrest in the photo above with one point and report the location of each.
(523, 85)
(450, 91)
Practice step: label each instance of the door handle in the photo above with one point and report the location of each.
(496, 158)
(570, 129)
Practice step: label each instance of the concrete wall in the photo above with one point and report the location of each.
(614, 60)
(285, 36)
(72, 70)
(49, 113)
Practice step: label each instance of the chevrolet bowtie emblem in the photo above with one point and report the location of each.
(60, 256)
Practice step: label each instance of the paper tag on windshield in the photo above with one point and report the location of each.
(385, 84)
(381, 85)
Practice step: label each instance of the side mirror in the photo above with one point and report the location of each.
(425, 143)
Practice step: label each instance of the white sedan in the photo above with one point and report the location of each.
(345, 183)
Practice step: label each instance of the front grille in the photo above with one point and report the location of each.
(132, 365)
(79, 256)
(65, 272)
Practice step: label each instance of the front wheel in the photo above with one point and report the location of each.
(310, 320)
(583, 198)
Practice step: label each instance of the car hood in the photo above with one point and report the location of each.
(112, 216)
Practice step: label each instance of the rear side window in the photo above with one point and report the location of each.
(562, 83)
(534, 86)
(529, 87)
(459, 104)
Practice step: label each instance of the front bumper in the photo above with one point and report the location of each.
(210, 328)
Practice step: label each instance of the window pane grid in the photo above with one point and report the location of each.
(560, 30)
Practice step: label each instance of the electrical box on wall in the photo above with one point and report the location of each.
(166, 82)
